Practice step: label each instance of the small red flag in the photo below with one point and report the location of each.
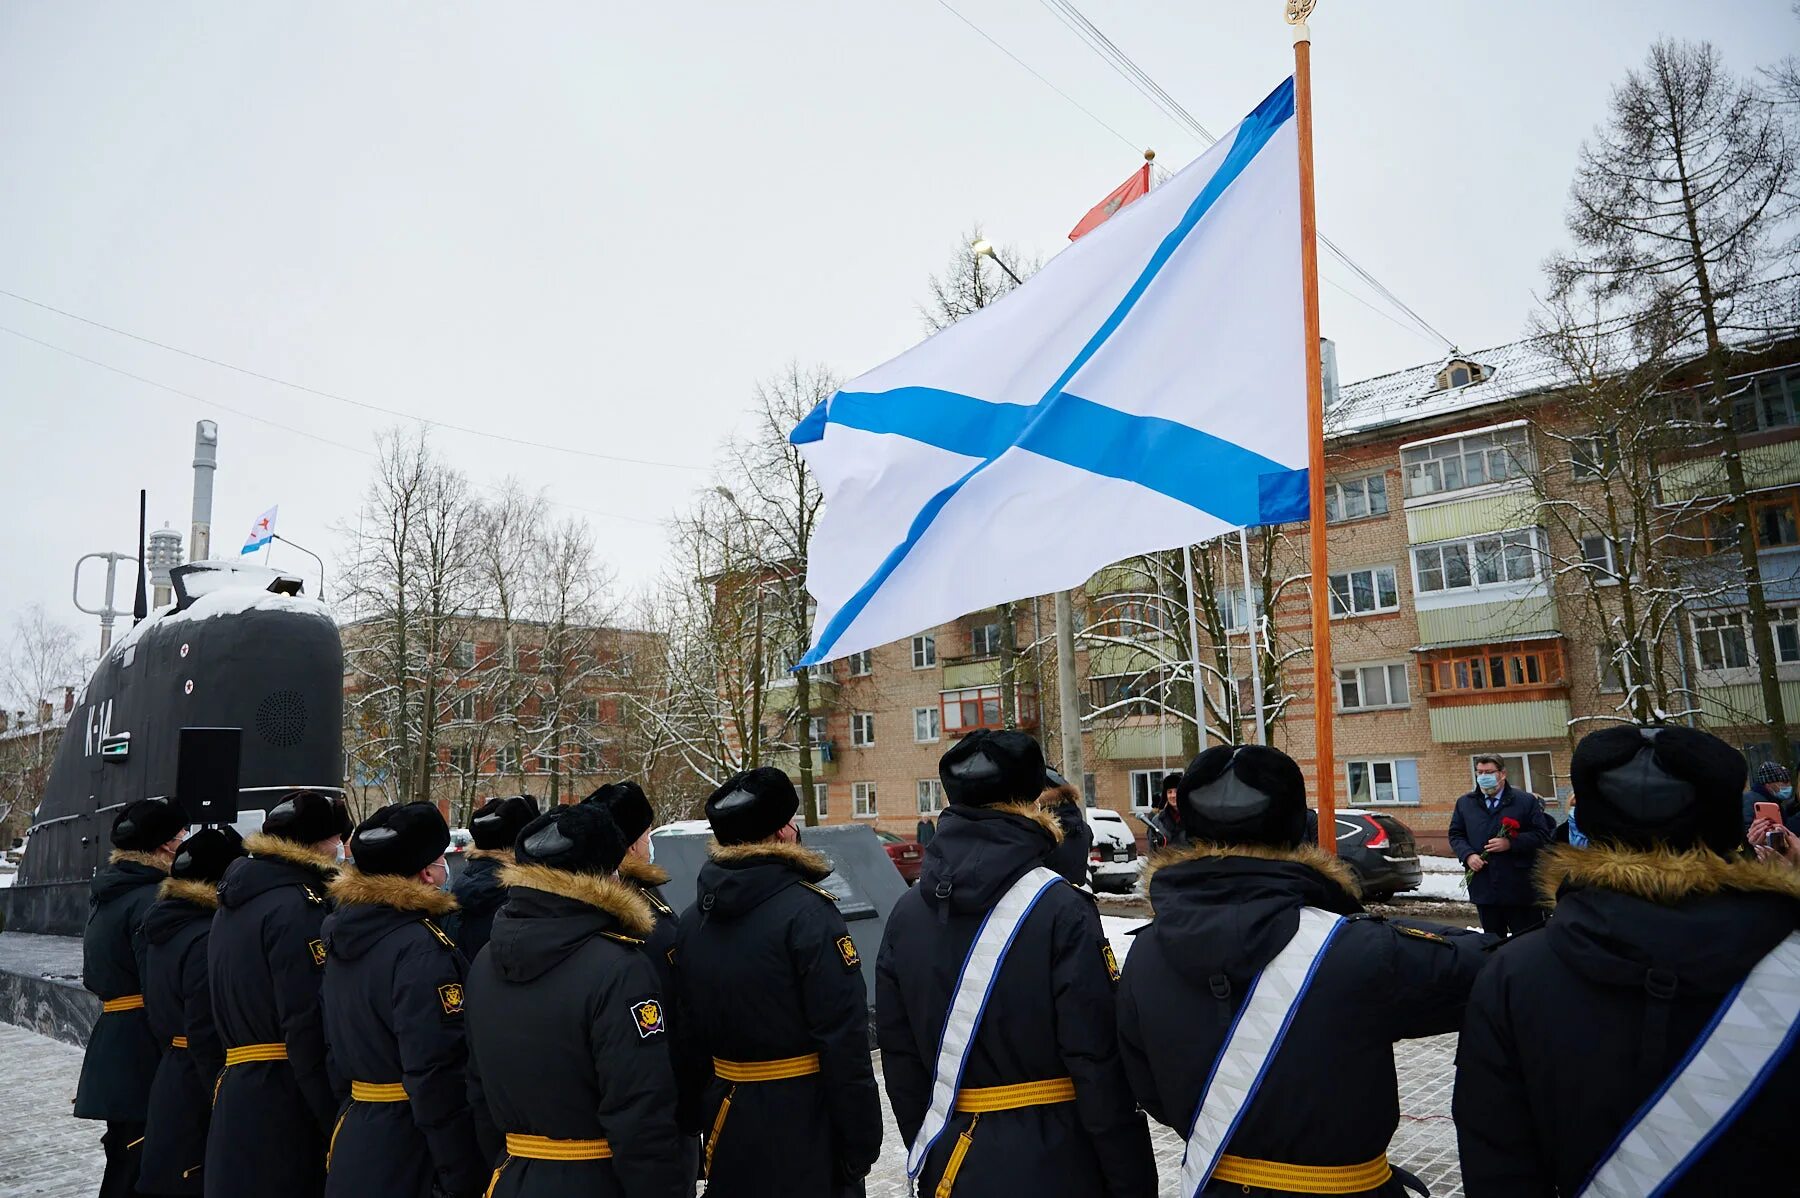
(1133, 188)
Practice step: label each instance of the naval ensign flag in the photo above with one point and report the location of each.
(1145, 389)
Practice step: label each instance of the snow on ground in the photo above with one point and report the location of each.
(1439, 865)
(1118, 928)
(1441, 886)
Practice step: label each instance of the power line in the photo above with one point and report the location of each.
(343, 399)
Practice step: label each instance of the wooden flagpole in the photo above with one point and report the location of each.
(1326, 769)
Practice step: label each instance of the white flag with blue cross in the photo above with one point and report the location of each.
(1145, 389)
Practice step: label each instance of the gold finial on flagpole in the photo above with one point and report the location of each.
(1149, 155)
(1299, 10)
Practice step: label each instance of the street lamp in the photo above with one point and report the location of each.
(985, 249)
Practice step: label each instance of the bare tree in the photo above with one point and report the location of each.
(42, 658)
(578, 655)
(1677, 206)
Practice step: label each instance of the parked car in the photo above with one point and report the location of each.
(1113, 862)
(1378, 848)
(907, 855)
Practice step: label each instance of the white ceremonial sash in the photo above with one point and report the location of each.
(1754, 1029)
(972, 988)
(1252, 1042)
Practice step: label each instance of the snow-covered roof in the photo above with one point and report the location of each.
(58, 719)
(1509, 372)
(225, 601)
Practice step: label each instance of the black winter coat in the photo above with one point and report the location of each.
(1219, 920)
(176, 929)
(765, 969)
(1169, 824)
(392, 1000)
(265, 961)
(479, 895)
(1049, 1015)
(121, 1052)
(568, 1039)
(1565, 1040)
(1070, 857)
(659, 941)
(1506, 878)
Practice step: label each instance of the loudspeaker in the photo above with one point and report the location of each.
(206, 774)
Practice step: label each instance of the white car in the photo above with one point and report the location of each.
(1113, 862)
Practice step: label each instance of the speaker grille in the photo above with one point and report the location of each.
(281, 718)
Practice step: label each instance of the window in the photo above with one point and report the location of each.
(587, 758)
(463, 655)
(1525, 771)
(1141, 690)
(587, 711)
(1615, 667)
(979, 707)
(1776, 521)
(1364, 688)
(1722, 641)
(1786, 621)
(1234, 609)
(462, 759)
(1492, 668)
(1455, 463)
(862, 800)
(924, 651)
(1593, 457)
(925, 724)
(984, 640)
(1383, 782)
(1610, 559)
(859, 664)
(931, 796)
(1768, 402)
(1355, 498)
(822, 797)
(862, 729)
(506, 760)
(1130, 616)
(462, 707)
(815, 729)
(1487, 561)
(1364, 592)
(1146, 789)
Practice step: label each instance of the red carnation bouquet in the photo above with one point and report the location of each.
(1509, 828)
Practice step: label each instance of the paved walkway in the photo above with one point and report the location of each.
(46, 1153)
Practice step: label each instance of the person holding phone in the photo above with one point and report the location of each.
(1769, 838)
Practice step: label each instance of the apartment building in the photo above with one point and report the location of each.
(1463, 605)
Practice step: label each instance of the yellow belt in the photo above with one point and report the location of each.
(1011, 1098)
(378, 1092)
(543, 1148)
(767, 1071)
(1304, 1179)
(245, 1053)
(178, 1042)
(128, 1002)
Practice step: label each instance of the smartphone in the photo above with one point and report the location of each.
(1768, 811)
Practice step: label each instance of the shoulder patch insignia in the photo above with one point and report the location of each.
(317, 949)
(671, 956)
(647, 1017)
(1112, 961)
(817, 889)
(450, 994)
(657, 905)
(443, 936)
(847, 950)
(1420, 934)
(312, 896)
(622, 938)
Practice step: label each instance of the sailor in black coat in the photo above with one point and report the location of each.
(393, 1005)
(274, 1105)
(1049, 1015)
(1224, 907)
(179, 1005)
(772, 1026)
(569, 1068)
(122, 1051)
(1656, 921)
(479, 892)
(1070, 856)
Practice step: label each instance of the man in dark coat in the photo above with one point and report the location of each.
(1224, 908)
(393, 1002)
(569, 1069)
(1497, 831)
(1048, 1018)
(479, 892)
(1168, 816)
(275, 1103)
(1070, 857)
(773, 1017)
(1657, 922)
(179, 1005)
(122, 1051)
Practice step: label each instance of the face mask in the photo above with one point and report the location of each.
(1576, 836)
(1784, 793)
(1488, 782)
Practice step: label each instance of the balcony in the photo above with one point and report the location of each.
(1448, 519)
(1772, 464)
(1139, 742)
(825, 764)
(1741, 704)
(963, 672)
(1477, 623)
(1494, 723)
(784, 690)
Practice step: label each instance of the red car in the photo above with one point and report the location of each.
(906, 855)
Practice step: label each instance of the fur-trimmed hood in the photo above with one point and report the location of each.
(372, 906)
(180, 903)
(642, 873)
(187, 890)
(1694, 915)
(503, 856)
(1230, 908)
(551, 913)
(737, 878)
(262, 845)
(125, 871)
(979, 852)
(274, 862)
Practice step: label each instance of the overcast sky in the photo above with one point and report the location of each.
(596, 225)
